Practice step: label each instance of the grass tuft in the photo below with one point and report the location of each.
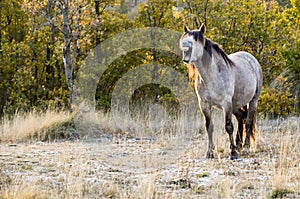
(281, 193)
(37, 126)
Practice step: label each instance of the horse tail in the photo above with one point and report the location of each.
(254, 133)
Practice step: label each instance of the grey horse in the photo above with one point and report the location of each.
(229, 82)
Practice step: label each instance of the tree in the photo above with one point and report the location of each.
(13, 30)
(290, 26)
(44, 43)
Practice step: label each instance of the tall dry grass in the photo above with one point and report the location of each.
(287, 166)
(34, 125)
(55, 124)
(148, 120)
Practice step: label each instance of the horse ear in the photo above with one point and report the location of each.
(186, 29)
(202, 28)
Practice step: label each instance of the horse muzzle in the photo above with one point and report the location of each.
(186, 61)
(186, 54)
(186, 58)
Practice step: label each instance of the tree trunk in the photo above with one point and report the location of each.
(49, 51)
(67, 54)
(98, 14)
(298, 98)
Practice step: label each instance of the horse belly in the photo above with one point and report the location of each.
(241, 99)
(245, 88)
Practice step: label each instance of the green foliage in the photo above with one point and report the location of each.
(295, 4)
(286, 3)
(280, 193)
(277, 101)
(32, 72)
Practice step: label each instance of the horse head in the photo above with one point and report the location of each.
(192, 44)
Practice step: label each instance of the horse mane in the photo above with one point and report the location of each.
(198, 35)
(193, 72)
(208, 46)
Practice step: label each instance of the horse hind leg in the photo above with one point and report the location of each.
(251, 129)
(229, 130)
(241, 116)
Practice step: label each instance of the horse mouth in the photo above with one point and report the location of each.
(186, 61)
(186, 58)
(187, 52)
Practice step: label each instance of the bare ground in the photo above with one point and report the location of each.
(151, 168)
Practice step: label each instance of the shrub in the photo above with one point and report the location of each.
(277, 100)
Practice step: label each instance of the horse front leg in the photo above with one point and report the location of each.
(206, 111)
(229, 130)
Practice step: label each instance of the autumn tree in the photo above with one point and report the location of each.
(44, 43)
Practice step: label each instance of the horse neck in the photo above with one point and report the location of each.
(210, 73)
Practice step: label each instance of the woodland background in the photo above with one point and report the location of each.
(36, 36)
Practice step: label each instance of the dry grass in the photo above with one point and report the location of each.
(34, 125)
(287, 167)
(164, 162)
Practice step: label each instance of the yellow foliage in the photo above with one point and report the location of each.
(176, 13)
(277, 101)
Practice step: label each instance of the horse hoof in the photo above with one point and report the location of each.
(234, 155)
(210, 155)
(246, 150)
(247, 145)
(239, 146)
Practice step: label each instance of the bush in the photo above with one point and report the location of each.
(277, 100)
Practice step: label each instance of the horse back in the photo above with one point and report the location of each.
(246, 64)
